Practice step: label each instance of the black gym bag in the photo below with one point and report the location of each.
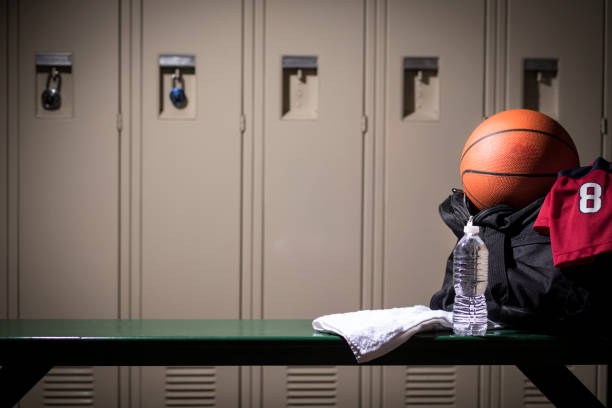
(525, 289)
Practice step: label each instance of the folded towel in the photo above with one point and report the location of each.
(373, 333)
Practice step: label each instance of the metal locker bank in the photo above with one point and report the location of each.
(267, 159)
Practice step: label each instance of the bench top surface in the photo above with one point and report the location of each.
(273, 342)
(218, 329)
(158, 329)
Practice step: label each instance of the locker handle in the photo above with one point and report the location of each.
(548, 65)
(300, 61)
(421, 63)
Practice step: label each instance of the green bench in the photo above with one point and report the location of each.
(30, 348)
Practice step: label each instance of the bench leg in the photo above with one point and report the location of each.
(17, 380)
(560, 386)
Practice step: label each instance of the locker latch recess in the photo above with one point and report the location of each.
(421, 99)
(541, 85)
(300, 87)
(177, 79)
(54, 85)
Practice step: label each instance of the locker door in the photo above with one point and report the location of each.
(312, 182)
(191, 186)
(573, 37)
(430, 115)
(68, 184)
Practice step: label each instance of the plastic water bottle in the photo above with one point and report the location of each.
(470, 276)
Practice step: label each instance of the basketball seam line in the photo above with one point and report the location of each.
(521, 130)
(490, 173)
(468, 192)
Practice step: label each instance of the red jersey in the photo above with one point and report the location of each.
(577, 214)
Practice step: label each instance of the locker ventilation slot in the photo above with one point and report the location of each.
(69, 387)
(191, 386)
(430, 386)
(533, 397)
(312, 386)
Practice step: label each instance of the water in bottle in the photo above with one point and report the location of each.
(470, 276)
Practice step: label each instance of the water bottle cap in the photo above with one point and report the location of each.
(470, 228)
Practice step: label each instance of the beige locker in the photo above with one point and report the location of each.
(191, 186)
(191, 166)
(428, 118)
(422, 156)
(68, 168)
(313, 148)
(68, 184)
(312, 174)
(572, 35)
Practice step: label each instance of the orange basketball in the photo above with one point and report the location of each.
(513, 157)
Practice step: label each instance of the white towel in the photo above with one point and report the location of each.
(373, 333)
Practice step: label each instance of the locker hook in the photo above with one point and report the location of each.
(51, 98)
(177, 94)
(177, 77)
(539, 77)
(56, 75)
(420, 75)
(300, 75)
